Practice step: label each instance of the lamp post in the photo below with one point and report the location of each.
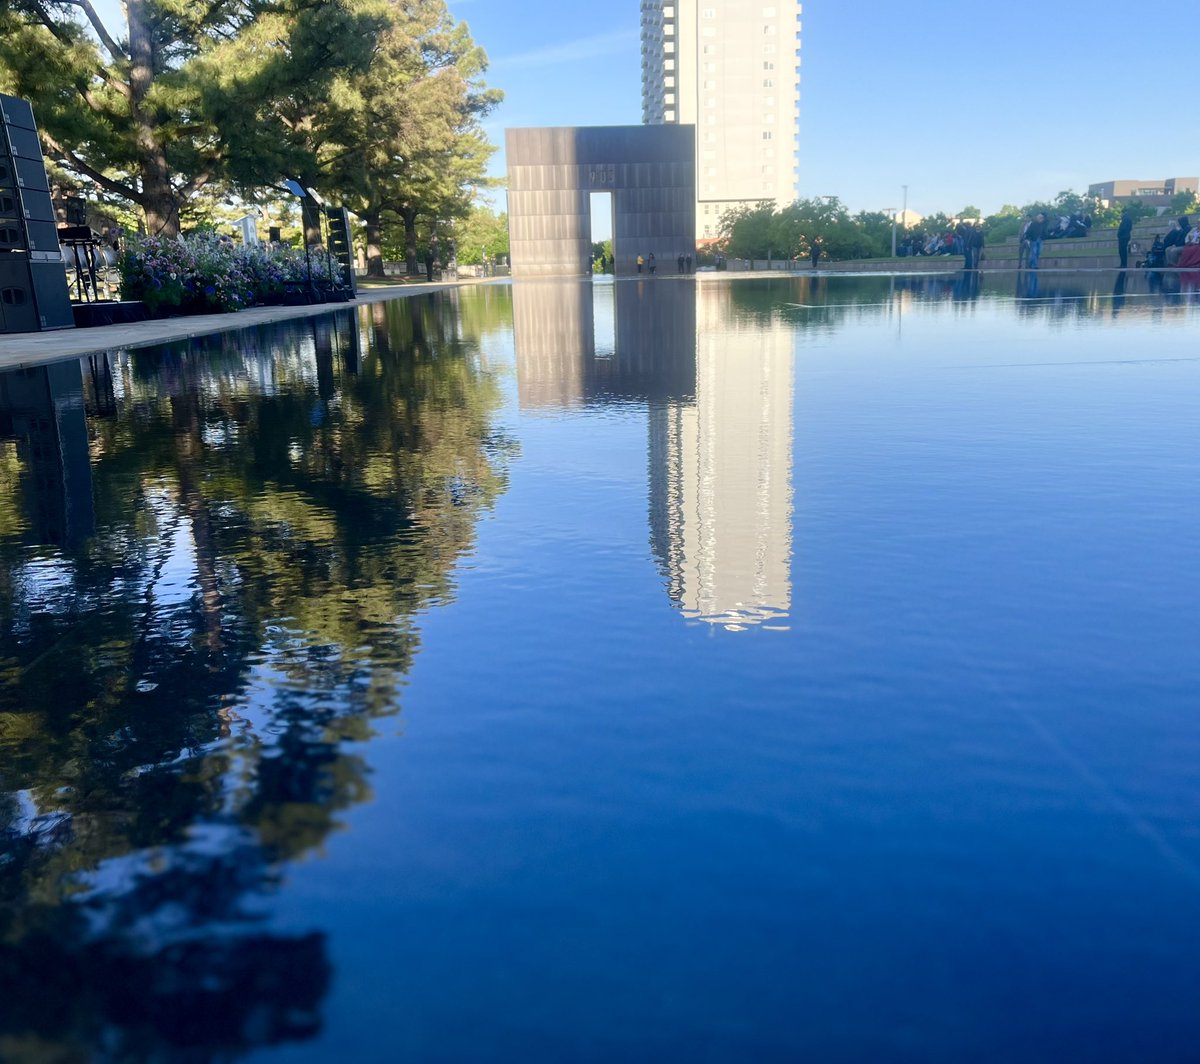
(301, 193)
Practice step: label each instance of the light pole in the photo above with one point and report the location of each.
(301, 193)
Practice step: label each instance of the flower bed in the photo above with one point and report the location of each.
(205, 273)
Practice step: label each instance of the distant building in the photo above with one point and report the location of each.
(731, 68)
(1151, 193)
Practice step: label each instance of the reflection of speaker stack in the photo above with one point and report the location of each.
(341, 247)
(33, 280)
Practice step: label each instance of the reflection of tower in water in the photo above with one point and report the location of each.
(719, 395)
(721, 472)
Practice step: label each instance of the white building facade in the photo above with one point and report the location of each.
(731, 68)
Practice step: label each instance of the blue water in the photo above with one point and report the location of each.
(789, 669)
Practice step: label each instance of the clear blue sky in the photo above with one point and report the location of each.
(979, 103)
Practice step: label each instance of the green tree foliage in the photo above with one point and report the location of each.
(1184, 203)
(401, 137)
(482, 234)
(746, 232)
(1005, 223)
(760, 231)
(602, 256)
(189, 96)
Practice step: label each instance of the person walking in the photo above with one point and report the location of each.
(650, 262)
(640, 263)
(1124, 232)
(1034, 236)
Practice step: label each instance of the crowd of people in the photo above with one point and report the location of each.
(1179, 246)
(965, 239)
(1070, 225)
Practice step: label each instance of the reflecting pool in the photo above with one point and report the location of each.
(700, 669)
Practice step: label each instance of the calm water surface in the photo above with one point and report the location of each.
(778, 670)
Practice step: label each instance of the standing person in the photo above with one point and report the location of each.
(816, 252)
(1023, 244)
(963, 245)
(640, 263)
(1034, 235)
(689, 263)
(1124, 231)
(679, 263)
(976, 239)
(650, 262)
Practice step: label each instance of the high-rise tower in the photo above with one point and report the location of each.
(731, 68)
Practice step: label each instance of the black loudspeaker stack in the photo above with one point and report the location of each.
(341, 247)
(33, 279)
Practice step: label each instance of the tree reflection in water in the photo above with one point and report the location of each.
(271, 510)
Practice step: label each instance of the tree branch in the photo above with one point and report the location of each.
(97, 24)
(65, 39)
(75, 163)
(196, 184)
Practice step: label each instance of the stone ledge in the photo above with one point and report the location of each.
(21, 350)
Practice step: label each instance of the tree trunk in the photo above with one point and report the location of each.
(374, 244)
(409, 215)
(158, 200)
(159, 205)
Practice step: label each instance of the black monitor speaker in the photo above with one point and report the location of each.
(341, 246)
(33, 278)
(33, 295)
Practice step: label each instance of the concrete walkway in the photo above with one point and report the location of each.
(20, 350)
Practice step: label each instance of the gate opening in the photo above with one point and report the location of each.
(603, 250)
